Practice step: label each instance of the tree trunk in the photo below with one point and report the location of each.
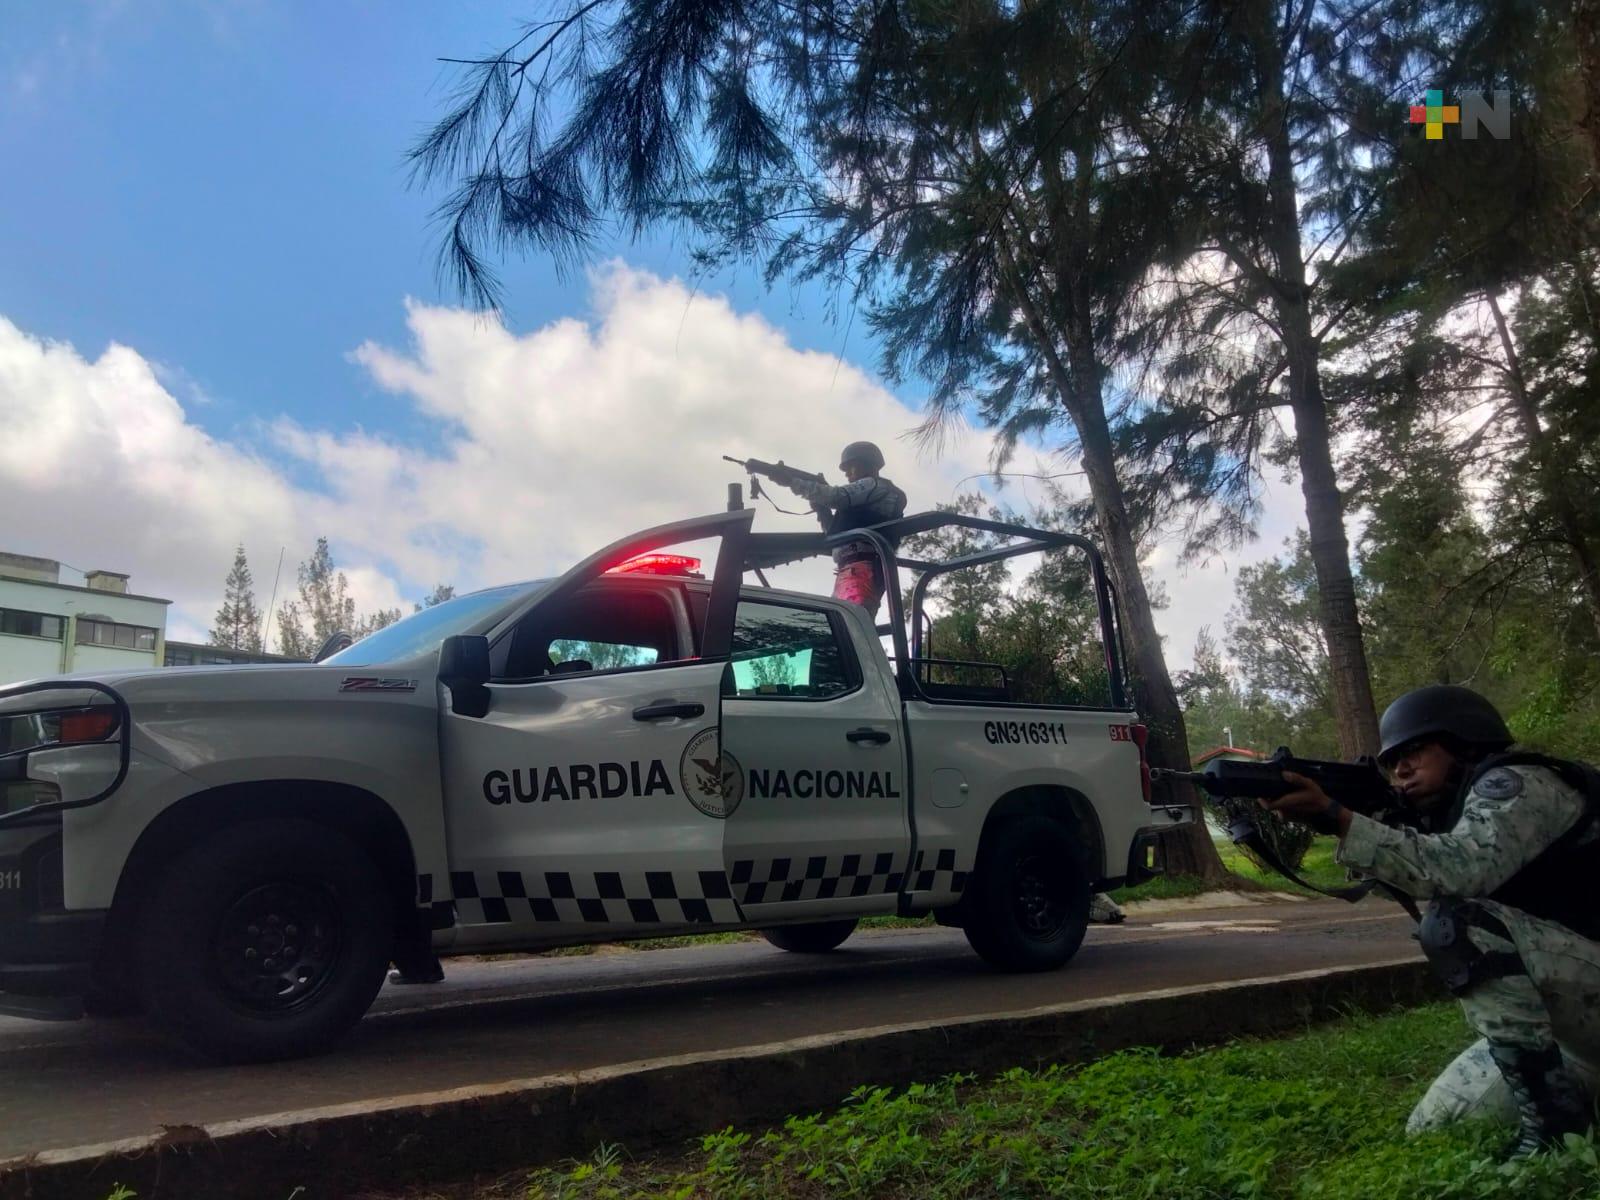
(1547, 470)
(1189, 851)
(1353, 709)
(1586, 32)
(1354, 712)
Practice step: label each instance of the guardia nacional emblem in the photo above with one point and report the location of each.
(711, 777)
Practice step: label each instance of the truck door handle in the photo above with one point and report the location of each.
(668, 708)
(876, 736)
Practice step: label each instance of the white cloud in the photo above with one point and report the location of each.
(1201, 593)
(101, 468)
(546, 445)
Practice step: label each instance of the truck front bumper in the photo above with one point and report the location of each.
(47, 954)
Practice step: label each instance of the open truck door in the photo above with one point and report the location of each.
(586, 796)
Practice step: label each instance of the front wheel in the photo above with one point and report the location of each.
(1028, 901)
(818, 938)
(267, 940)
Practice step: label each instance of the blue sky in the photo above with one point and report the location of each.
(223, 186)
(219, 310)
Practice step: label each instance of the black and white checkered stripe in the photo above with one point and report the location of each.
(935, 871)
(818, 877)
(594, 898)
(683, 898)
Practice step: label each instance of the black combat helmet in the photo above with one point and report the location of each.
(1442, 710)
(865, 453)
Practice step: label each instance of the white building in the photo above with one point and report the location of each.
(48, 627)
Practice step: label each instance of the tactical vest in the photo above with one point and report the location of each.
(886, 503)
(1563, 883)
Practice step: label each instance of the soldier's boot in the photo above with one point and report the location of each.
(1550, 1101)
(1106, 911)
(416, 964)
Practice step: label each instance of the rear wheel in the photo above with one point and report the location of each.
(267, 940)
(811, 939)
(1028, 901)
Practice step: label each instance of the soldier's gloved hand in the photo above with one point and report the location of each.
(1308, 804)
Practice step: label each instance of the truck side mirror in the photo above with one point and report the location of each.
(464, 669)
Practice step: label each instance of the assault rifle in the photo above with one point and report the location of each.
(1360, 786)
(777, 472)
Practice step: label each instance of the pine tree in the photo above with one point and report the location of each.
(1477, 277)
(441, 592)
(238, 622)
(983, 179)
(323, 607)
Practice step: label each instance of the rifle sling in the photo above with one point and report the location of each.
(1244, 833)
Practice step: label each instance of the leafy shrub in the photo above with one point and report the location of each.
(1289, 840)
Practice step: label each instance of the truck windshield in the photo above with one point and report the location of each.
(423, 631)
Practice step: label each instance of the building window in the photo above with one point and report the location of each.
(112, 633)
(30, 624)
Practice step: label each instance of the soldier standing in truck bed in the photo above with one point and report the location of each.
(866, 498)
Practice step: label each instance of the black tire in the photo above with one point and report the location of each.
(811, 939)
(1027, 906)
(267, 940)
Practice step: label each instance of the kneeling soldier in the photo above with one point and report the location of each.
(1505, 846)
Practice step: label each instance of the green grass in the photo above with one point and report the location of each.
(1317, 866)
(1244, 876)
(1319, 1116)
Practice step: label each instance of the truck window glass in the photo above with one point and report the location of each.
(601, 656)
(422, 632)
(783, 652)
(600, 628)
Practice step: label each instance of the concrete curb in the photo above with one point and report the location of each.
(437, 1136)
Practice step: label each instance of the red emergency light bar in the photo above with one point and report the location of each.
(657, 564)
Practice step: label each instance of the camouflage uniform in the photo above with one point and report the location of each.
(867, 501)
(1511, 816)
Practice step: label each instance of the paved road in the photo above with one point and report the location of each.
(93, 1081)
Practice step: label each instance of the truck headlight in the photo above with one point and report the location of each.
(28, 733)
(20, 732)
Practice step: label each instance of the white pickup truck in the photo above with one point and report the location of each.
(633, 749)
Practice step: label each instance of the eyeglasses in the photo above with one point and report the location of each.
(1391, 760)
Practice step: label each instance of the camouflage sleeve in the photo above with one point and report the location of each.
(829, 496)
(1512, 815)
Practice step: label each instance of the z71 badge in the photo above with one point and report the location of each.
(713, 780)
(372, 683)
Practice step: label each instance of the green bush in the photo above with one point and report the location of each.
(1289, 840)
